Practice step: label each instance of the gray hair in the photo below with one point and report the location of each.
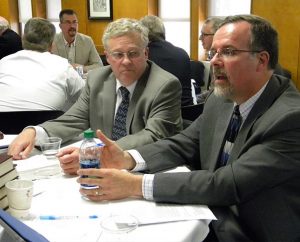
(125, 26)
(4, 25)
(215, 22)
(38, 34)
(155, 26)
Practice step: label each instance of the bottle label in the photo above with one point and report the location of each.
(86, 164)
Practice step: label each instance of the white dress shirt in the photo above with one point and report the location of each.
(32, 80)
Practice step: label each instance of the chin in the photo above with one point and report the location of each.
(221, 91)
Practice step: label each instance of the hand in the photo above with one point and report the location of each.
(112, 156)
(69, 160)
(113, 184)
(23, 144)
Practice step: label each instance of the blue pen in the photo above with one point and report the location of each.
(53, 217)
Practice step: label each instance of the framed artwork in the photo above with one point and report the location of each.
(100, 9)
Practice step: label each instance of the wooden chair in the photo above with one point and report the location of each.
(15, 122)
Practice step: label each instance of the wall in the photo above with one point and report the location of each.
(121, 8)
(285, 17)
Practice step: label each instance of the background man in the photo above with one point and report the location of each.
(154, 98)
(10, 41)
(78, 48)
(35, 79)
(169, 57)
(250, 181)
(208, 30)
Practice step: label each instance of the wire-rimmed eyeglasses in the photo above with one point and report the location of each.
(227, 52)
(202, 34)
(117, 55)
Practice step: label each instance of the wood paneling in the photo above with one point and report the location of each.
(39, 8)
(285, 17)
(9, 10)
(121, 9)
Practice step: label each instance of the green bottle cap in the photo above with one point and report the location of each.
(89, 134)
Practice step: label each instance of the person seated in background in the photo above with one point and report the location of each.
(251, 180)
(78, 48)
(208, 30)
(169, 57)
(132, 100)
(10, 41)
(33, 78)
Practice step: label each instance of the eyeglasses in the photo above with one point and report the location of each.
(130, 54)
(202, 34)
(70, 22)
(227, 52)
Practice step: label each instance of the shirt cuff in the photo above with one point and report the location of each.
(40, 134)
(140, 162)
(147, 187)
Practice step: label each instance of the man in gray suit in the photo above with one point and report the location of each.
(154, 106)
(256, 194)
(78, 48)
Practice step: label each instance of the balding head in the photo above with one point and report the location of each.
(4, 24)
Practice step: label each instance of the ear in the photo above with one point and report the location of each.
(107, 56)
(263, 60)
(147, 52)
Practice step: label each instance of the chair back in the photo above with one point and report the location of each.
(206, 75)
(15, 122)
(197, 74)
(190, 113)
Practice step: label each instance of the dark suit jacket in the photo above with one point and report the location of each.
(154, 108)
(10, 42)
(176, 61)
(256, 196)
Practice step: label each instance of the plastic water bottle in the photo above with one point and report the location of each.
(89, 155)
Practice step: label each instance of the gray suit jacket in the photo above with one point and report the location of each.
(85, 50)
(154, 109)
(256, 196)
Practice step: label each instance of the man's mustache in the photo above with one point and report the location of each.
(218, 72)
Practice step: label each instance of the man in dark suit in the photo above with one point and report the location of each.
(169, 57)
(255, 195)
(154, 105)
(10, 41)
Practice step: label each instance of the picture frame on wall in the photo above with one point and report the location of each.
(100, 9)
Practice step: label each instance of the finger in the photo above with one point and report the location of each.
(103, 138)
(66, 151)
(103, 172)
(25, 153)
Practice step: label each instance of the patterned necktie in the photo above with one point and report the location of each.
(119, 128)
(230, 136)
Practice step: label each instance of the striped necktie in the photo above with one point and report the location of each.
(230, 136)
(119, 128)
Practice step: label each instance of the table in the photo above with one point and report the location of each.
(58, 195)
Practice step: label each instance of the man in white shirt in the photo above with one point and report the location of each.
(35, 79)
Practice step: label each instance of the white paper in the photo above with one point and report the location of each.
(5, 142)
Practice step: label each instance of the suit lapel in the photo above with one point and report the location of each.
(225, 112)
(109, 105)
(61, 48)
(138, 91)
(273, 89)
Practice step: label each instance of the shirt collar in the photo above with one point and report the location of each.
(246, 107)
(130, 88)
(67, 44)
